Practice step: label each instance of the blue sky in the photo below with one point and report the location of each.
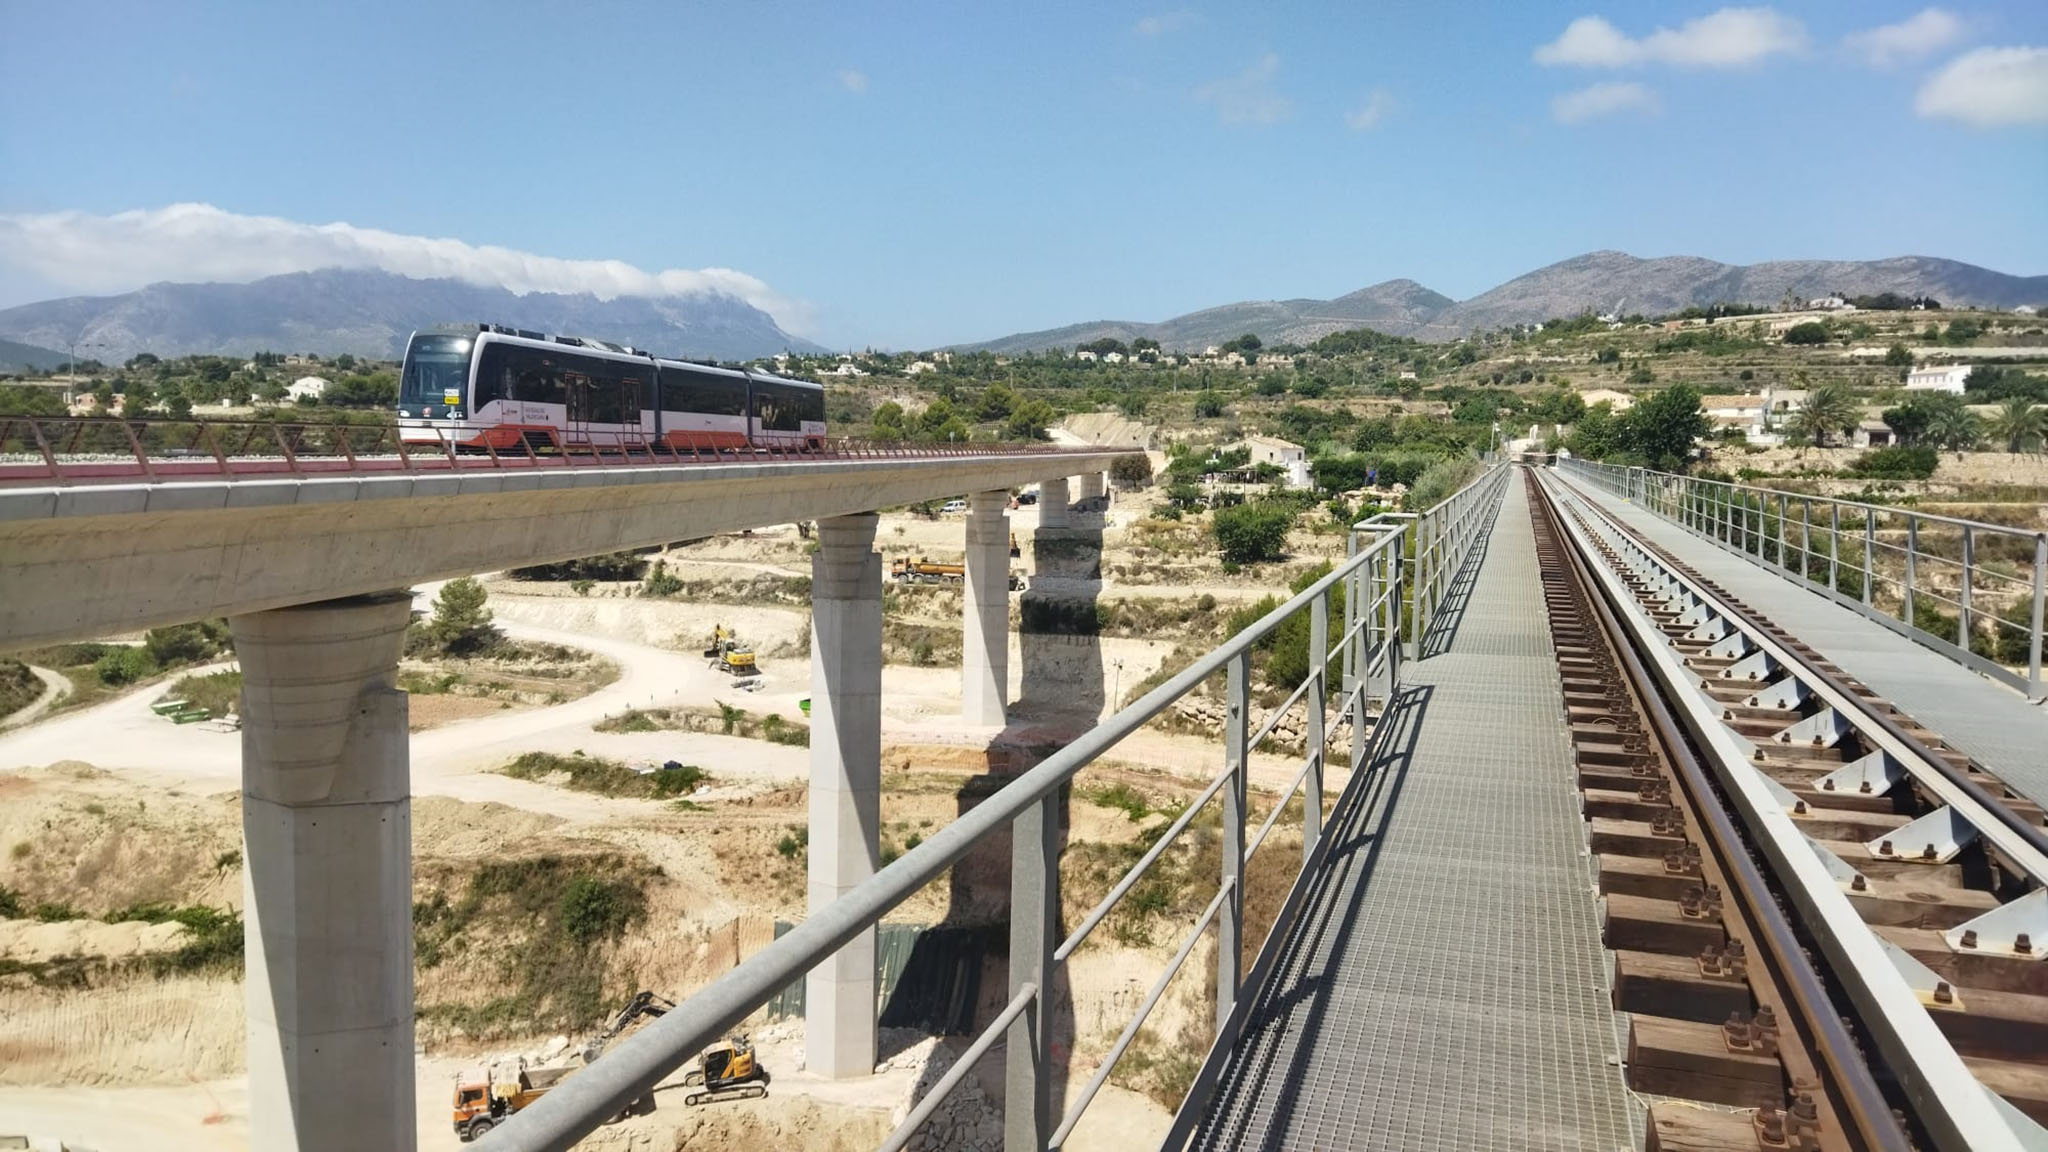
(914, 174)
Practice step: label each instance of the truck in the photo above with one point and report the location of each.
(923, 571)
(487, 1097)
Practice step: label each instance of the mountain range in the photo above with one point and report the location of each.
(1597, 281)
(370, 313)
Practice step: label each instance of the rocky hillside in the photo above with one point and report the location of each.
(370, 313)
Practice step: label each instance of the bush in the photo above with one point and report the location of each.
(1439, 482)
(1132, 471)
(1255, 532)
(219, 693)
(461, 625)
(595, 910)
(186, 643)
(1811, 332)
(1898, 462)
(124, 666)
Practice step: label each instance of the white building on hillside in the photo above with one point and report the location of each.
(1938, 378)
(306, 386)
(1289, 457)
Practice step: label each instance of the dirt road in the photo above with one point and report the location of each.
(56, 686)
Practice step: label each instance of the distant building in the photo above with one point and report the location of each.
(920, 367)
(1938, 378)
(1830, 304)
(847, 368)
(1113, 358)
(1289, 457)
(312, 387)
(1085, 354)
(2026, 310)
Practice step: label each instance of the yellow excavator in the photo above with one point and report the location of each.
(728, 653)
(727, 1071)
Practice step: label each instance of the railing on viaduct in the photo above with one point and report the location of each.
(1388, 588)
(1967, 589)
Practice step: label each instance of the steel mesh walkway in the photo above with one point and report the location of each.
(1445, 987)
(1984, 719)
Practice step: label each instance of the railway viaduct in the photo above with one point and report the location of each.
(311, 565)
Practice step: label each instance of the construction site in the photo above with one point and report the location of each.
(586, 856)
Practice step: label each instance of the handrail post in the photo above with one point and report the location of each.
(2035, 689)
(1318, 739)
(1805, 536)
(1869, 553)
(1781, 534)
(1230, 918)
(1834, 546)
(1912, 555)
(1963, 594)
(1034, 932)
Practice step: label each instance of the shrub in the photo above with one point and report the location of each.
(124, 666)
(1897, 462)
(1255, 532)
(595, 910)
(219, 693)
(1132, 471)
(185, 643)
(1811, 332)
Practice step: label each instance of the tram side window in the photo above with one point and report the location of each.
(509, 372)
(709, 393)
(811, 405)
(779, 407)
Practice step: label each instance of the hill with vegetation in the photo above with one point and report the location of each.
(22, 359)
(1598, 282)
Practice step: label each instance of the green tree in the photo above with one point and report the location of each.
(1898, 356)
(1954, 427)
(1597, 434)
(888, 421)
(1663, 427)
(996, 402)
(2018, 425)
(1132, 471)
(461, 625)
(1253, 533)
(1030, 420)
(1829, 408)
(21, 401)
(1811, 332)
(1208, 406)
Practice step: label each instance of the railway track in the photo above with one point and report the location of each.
(1826, 925)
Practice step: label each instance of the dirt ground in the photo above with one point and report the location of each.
(109, 806)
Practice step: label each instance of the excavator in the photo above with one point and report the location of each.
(727, 1071)
(728, 653)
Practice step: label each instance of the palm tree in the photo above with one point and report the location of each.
(2019, 424)
(1830, 408)
(1953, 427)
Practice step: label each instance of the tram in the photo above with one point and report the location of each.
(499, 387)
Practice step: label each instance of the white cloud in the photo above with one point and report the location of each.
(1248, 97)
(1609, 99)
(1369, 115)
(1928, 32)
(853, 80)
(1989, 86)
(1729, 38)
(199, 242)
(1165, 22)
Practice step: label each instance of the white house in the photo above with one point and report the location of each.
(847, 368)
(312, 386)
(1938, 378)
(1288, 457)
(920, 367)
(1085, 354)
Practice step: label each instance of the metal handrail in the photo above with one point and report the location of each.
(1373, 576)
(112, 449)
(1756, 523)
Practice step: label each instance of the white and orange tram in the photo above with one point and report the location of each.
(500, 387)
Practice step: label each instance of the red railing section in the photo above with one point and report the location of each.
(105, 449)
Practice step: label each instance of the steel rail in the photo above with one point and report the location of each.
(1951, 1103)
(2025, 845)
(1870, 1110)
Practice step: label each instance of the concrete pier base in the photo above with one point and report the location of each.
(327, 832)
(846, 784)
(985, 627)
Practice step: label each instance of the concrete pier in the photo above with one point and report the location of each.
(985, 626)
(327, 828)
(1091, 486)
(846, 784)
(1053, 503)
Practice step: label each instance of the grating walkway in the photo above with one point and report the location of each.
(1445, 986)
(1985, 719)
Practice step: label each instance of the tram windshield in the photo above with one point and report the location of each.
(436, 375)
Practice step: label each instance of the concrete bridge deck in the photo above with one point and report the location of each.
(1445, 987)
(1984, 719)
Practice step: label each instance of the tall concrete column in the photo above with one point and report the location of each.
(985, 628)
(327, 886)
(846, 784)
(1091, 486)
(1053, 503)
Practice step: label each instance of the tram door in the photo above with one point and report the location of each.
(578, 387)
